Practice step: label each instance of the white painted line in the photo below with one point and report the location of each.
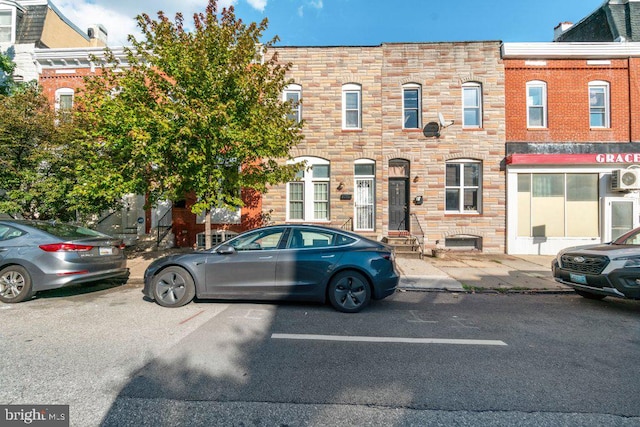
(385, 339)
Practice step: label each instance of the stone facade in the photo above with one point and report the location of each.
(439, 70)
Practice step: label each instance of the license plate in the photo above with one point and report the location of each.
(106, 251)
(578, 278)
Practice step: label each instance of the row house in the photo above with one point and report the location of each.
(573, 132)
(399, 138)
(26, 25)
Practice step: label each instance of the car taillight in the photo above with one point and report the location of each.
(65, 247)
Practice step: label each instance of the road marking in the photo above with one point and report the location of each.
(386, 339)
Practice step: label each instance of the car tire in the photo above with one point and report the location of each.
(349, 292)
(589, 295)
(15, 284)
(173, 287)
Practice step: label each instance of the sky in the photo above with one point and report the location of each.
(352, 22)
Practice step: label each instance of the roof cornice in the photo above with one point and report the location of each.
(557, 50)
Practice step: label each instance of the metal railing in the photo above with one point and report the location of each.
(415, 230)
(348, 225)
(164, 226)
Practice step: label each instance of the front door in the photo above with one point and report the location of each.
(398, 207)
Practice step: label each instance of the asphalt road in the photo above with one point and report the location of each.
(417, 358)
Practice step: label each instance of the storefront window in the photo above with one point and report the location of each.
(558, 205)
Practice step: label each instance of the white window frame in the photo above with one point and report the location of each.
(418, 109)
(462, 187)
(64, 91)
(309, 183)
(477, 88)
(603, 87)
(296, 110)
(362, 200)
(12, 30)
(352, 89)
(537, 84)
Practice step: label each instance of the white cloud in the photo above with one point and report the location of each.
(118, 16)
(316, 3)
(258, 4)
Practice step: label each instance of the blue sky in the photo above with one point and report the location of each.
(355, 22)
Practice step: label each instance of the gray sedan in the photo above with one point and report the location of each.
(294, 262)
(40, 255)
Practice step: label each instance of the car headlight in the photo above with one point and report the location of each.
(630, 261)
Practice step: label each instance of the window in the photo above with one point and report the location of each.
(6, 26)
(261, 240)
(599, 104)
(536, 104)
(364, 171)
(308, 196)
(472, 105)
(411, 106)
(558, 205)
(463, 180)
(64, 103)
(351, 106)
(293, 94)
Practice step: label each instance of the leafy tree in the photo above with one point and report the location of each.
(190, 111)
(36, 163)
(6, 70)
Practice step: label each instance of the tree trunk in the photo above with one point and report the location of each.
(207, 229)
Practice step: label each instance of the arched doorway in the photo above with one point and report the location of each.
(398, 195)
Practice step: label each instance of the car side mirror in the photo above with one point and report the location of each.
(225, 250)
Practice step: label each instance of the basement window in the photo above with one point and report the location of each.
(463, 242)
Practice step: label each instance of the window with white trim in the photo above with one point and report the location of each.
(351, 106)
(308, 195)
(411, 106)
(365, 191)
(472, 105)
(7, 34)
(599, 104)
(64, 99)
(536, 104)
(463, 186)
(293, 94)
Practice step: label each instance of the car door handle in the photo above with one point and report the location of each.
(266, 257)
(327, 256)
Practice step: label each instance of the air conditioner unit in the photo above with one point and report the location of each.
(625, 179)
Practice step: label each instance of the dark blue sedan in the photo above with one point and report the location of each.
(283, 262)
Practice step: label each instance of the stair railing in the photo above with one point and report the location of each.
(164, 226)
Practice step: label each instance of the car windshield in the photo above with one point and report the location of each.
(66, 231)
(630, 238)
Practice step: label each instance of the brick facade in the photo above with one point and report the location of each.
(568, 99)
(440, 69)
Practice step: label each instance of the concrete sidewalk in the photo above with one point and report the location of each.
(456, 272)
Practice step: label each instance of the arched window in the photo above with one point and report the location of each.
(64, 99)
(293, 94)
(536, 104)
(364, 172)
(472, 105)
(411, 106)
(351, 106)
(308, 195)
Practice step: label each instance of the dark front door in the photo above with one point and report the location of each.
(398, 208)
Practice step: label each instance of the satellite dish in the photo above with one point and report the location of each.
(444, 123)
(431, 129)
